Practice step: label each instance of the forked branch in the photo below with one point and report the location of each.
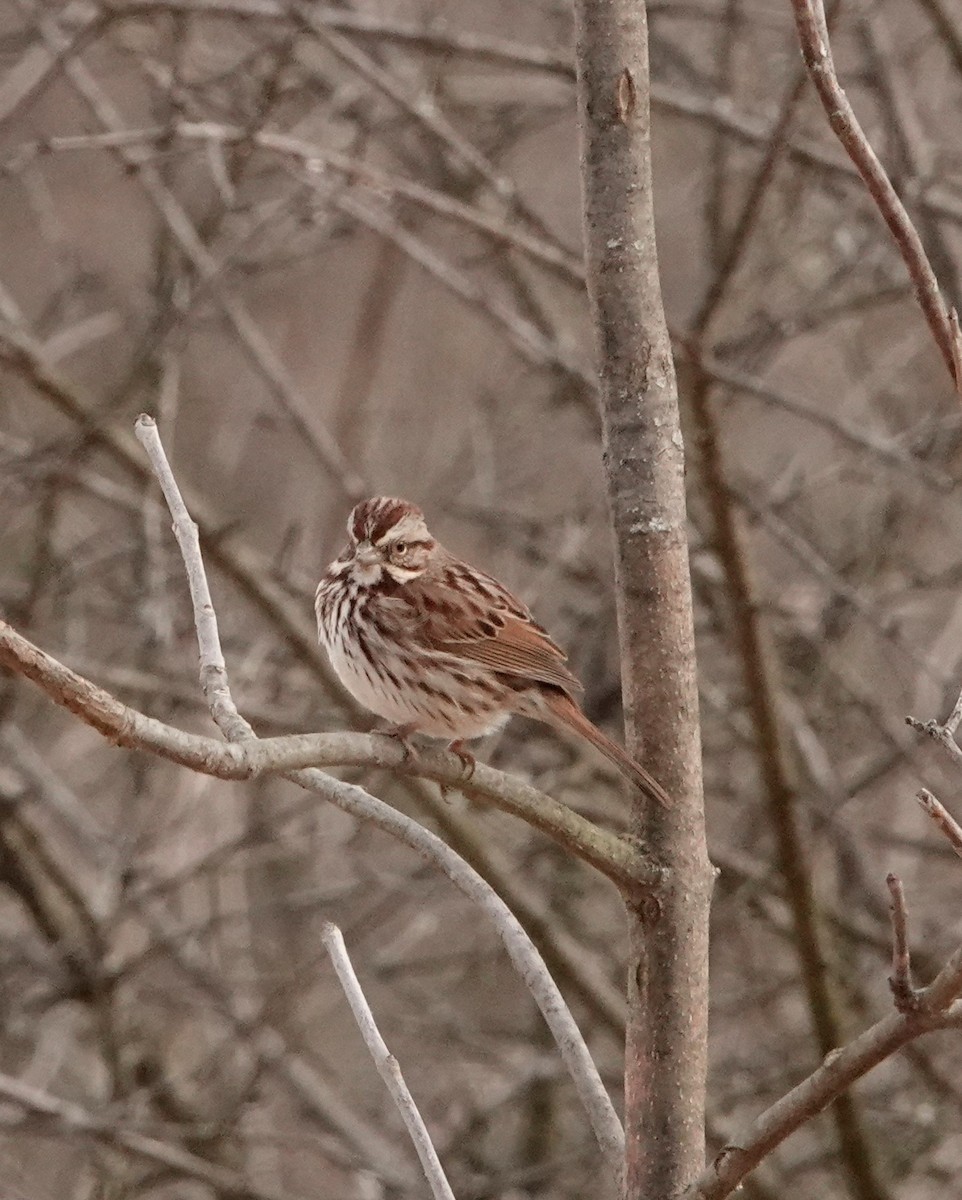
(254, 757)
(918, 1011)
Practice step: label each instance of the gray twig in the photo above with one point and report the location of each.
(387, 1065)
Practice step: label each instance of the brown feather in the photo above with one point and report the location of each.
(515, 652)
(496, 630)
(567, 714)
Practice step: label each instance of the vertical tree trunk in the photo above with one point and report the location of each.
(668, 943)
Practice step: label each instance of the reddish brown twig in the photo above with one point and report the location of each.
(817, 53)
(956, 348)
(943, 818)
(900, 981)
(934, 1007)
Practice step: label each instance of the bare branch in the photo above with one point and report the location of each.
(942, 818)
(939, 733)
(817, 53)
(253, 758)
(213, 669)
(387, 1065)
(900, 981)
(837, 1073)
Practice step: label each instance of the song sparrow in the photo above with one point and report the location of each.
(437, 647)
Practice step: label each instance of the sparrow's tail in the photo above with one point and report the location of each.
(563, 712)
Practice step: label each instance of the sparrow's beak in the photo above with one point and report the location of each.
(366, 554)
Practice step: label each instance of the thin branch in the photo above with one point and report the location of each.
(837, 1073)
(913, 152)
(956, 329)
(387, 1065)
(817, 53)
(938, 733)
(213, 669)
(942, 818)
(900, 981)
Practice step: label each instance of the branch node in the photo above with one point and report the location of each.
(832, 1057)
(725, 1157)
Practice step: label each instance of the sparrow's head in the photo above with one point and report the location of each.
(388, 536)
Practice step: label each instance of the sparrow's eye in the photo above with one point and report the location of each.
(400, 549)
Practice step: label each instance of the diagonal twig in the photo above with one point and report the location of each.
(942, 818)
(386, 1063)
(900, 981)
(817, 53)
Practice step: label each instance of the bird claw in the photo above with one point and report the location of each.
(468, 761)
(468, 764)
(402, 735)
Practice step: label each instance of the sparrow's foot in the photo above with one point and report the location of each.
(401, 734)
(468, 761)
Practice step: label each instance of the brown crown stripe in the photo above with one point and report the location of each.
(373, 519)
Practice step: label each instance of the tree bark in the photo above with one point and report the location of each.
(666, 1048)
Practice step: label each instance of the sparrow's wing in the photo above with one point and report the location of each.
(468, 614)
